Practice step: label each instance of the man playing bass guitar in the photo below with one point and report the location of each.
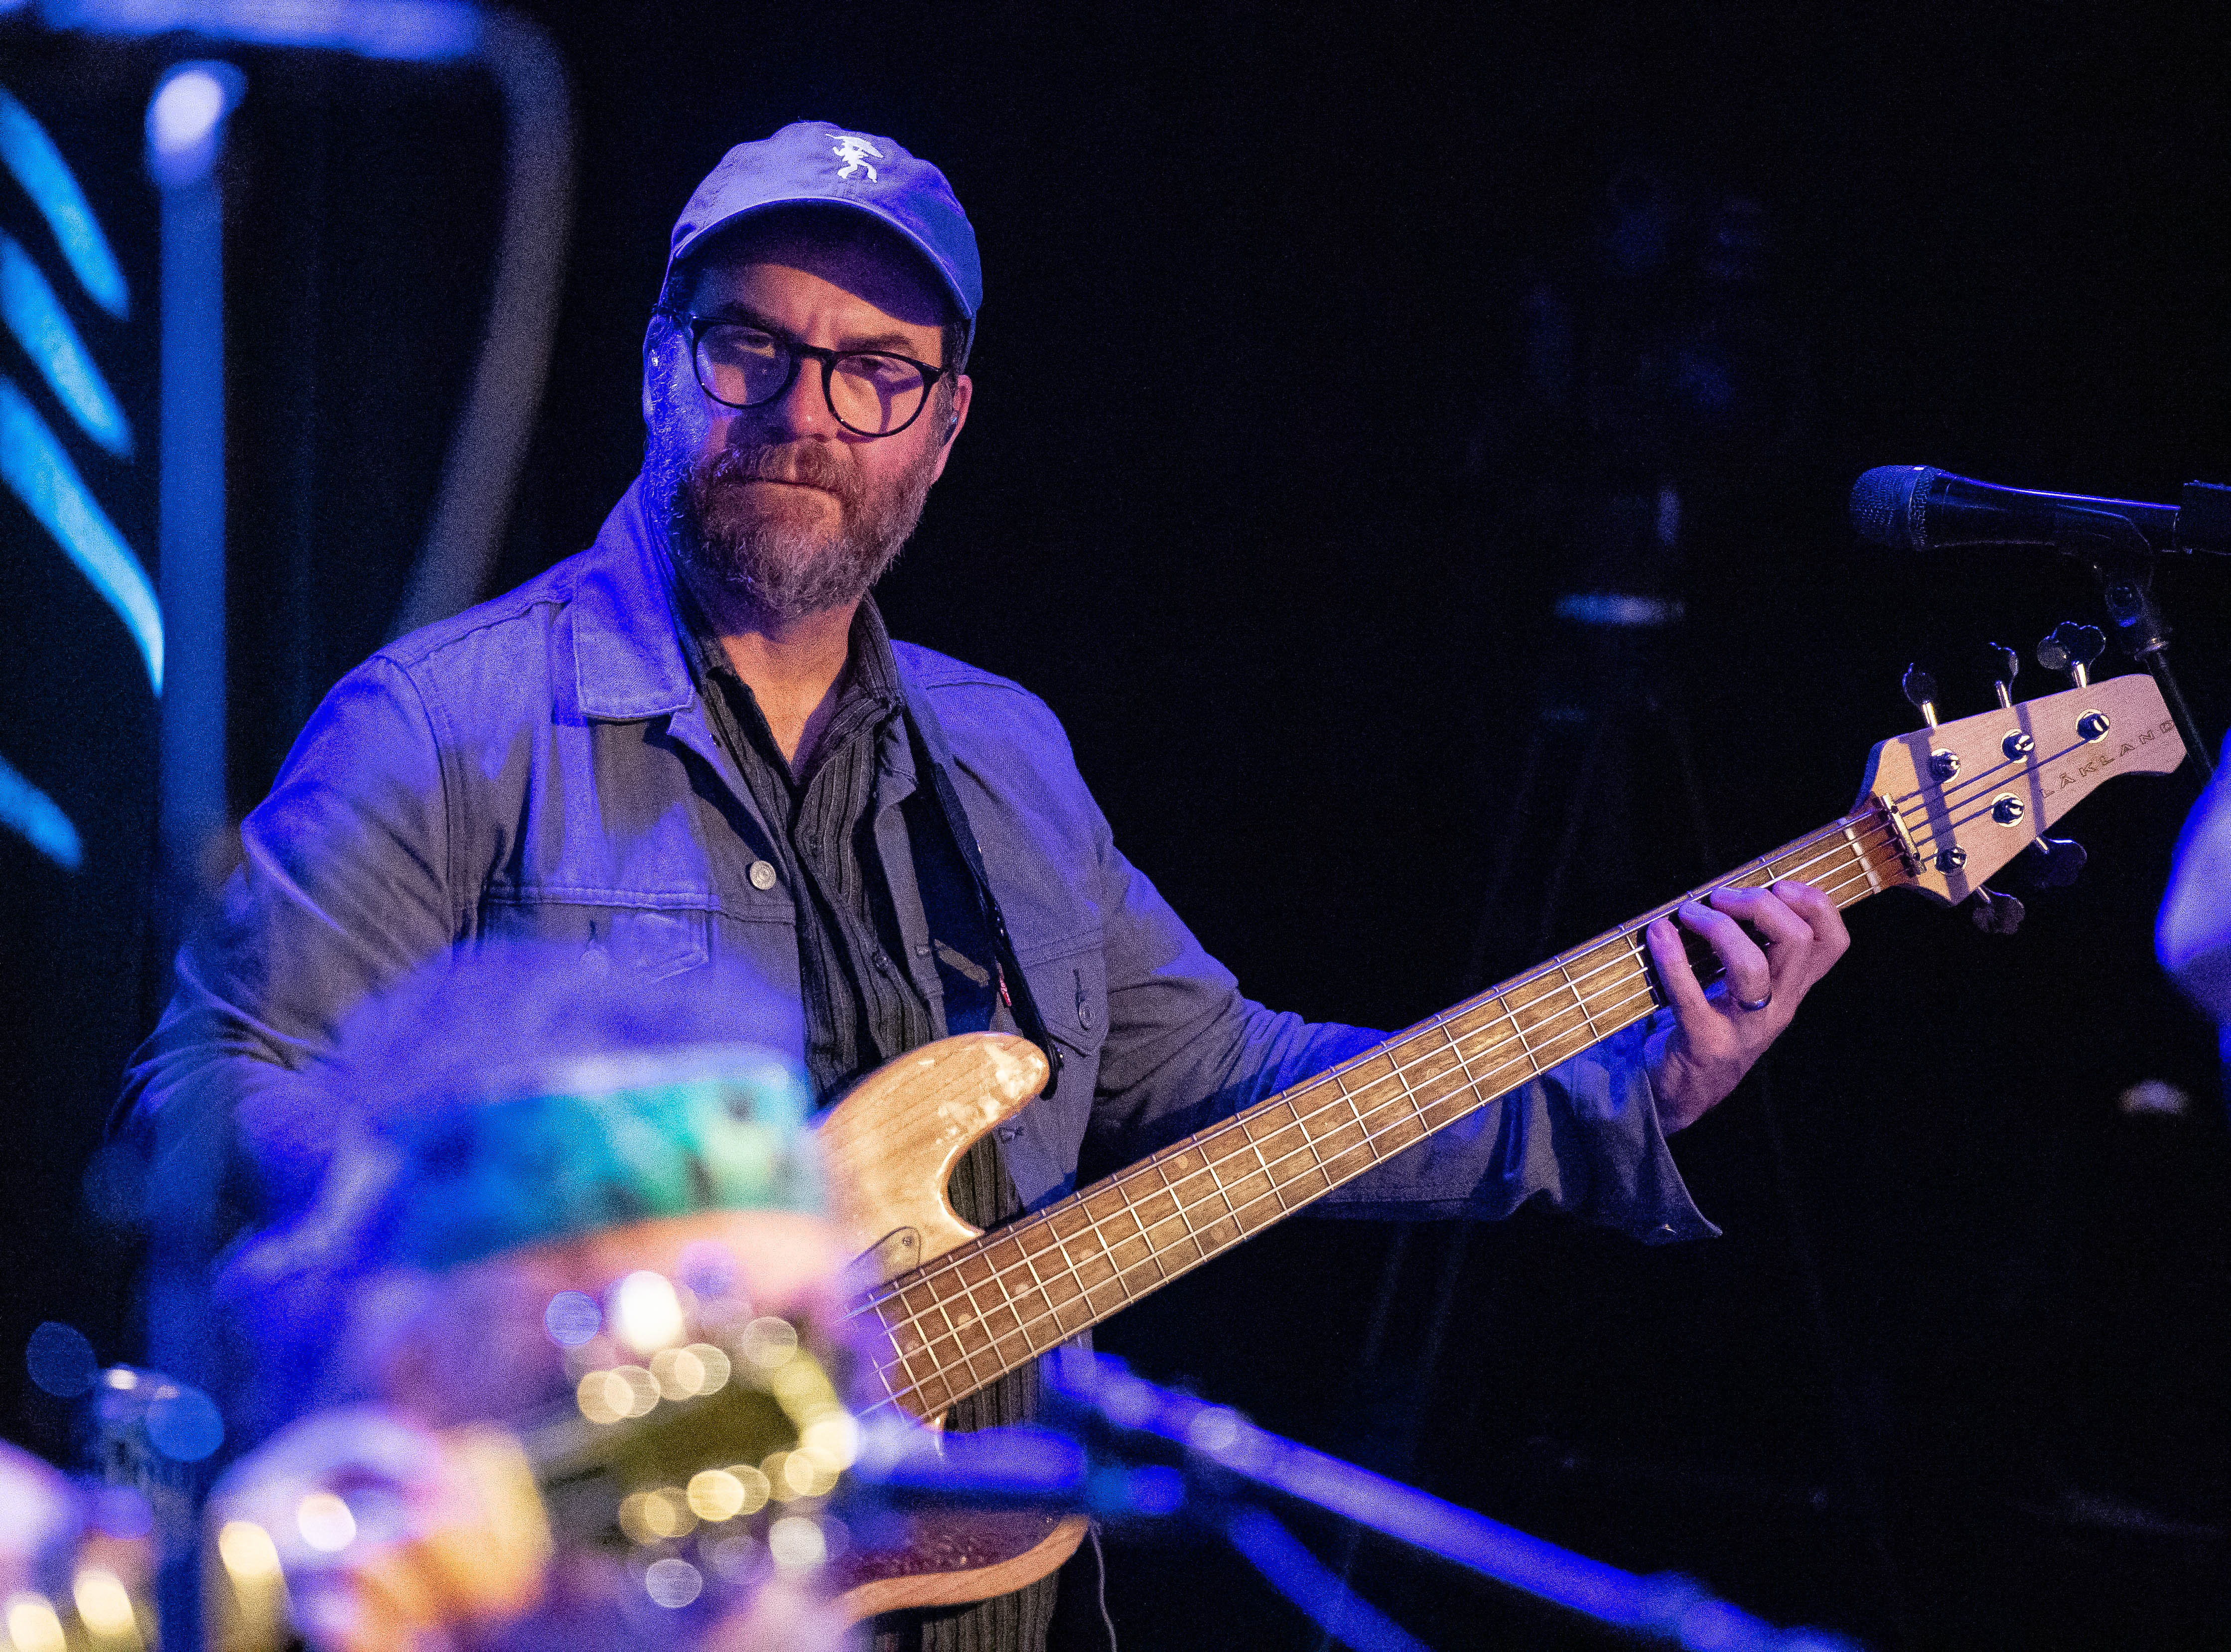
(695, 741)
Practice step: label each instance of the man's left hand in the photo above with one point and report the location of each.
(1718, 1033)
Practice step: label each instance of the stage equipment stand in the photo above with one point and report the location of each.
(1657, 374)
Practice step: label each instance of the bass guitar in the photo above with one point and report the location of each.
(1940, 811)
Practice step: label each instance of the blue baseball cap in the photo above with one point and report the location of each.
(813, 163)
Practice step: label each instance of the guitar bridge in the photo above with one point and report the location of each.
(1896, 822)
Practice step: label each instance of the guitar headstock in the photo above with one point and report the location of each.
(1973, 794)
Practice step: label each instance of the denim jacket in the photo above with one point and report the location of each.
(542, 767)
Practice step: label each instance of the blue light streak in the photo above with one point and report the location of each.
(39, 818)
(418, 31)
(46, 177)
(35, 465)
(36, 316)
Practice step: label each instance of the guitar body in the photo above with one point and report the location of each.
(887, 1150)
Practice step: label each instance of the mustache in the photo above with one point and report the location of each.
(804, 464)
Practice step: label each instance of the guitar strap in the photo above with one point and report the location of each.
(947, 915)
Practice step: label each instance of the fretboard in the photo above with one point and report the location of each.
(960, 1323)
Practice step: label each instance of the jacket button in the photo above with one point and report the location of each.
(762, 875)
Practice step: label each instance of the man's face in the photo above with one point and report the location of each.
(779, 508)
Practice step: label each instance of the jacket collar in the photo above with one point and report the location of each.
(628, 663)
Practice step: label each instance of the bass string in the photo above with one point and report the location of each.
(1846, 890)
(1030, 1330)
(1593, 998)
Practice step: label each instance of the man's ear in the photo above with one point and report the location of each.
(964, 389)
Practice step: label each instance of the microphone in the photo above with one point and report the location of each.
(1918, 508)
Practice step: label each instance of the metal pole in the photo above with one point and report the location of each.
(185, 131)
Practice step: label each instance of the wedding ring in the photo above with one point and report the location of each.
(1745, 1003)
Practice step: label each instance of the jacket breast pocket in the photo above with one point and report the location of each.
(652, 942)
(1069, 983)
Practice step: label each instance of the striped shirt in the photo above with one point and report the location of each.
(861, 1008)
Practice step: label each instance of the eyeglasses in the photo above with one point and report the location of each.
(871, 392)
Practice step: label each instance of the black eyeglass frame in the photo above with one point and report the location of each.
(693, 327)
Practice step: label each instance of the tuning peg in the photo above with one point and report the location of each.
(1920, 693)
(2072, 647)
(2047, 863)
(2005, 666)
(1995, 914)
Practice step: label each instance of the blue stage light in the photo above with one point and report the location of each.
(46, 177)
(184, 113)
(36, 466)
(420, 31)
(36, 316)
(39, 818)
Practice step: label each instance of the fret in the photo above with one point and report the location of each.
(1270, 1181)
(1101, 1271)
(1316, 1159)
(970, 1273)
(1122, 1185)
(1070, 1224)
(1523, 1046)
(883, 1375)
(1057, 1287)
(1132, 1242)
(1590, 1020)
(953, 1334)
(1178, 1167)
(1027, 1260)
(1168, 1210)
(1276, 1128)
(1164, 1164)
(1224, 1196)
(1042, 1280)
(1340, 1079)
(1409, 1126)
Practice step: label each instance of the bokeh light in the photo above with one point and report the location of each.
(672, 1582)
(833, 1440)
(795, 1542)
(573, 1318)
(33, 1625)
(656, 1516)
(768, 1343)
(61, 1359)
(757, 1487)
(646, 1313)
(715, 1494)
(248, 1552)
(325, 1522)
(678, 1372)
(184, 1422)
(105, 1604)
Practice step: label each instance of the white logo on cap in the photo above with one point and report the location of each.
(854, 152)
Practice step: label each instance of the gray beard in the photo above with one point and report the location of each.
(781, 571)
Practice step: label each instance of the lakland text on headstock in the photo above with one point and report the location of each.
(1968, 796)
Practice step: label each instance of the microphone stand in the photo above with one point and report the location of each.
(2123, 561)
(1114, 1425)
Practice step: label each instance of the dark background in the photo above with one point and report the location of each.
(1322, 348)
